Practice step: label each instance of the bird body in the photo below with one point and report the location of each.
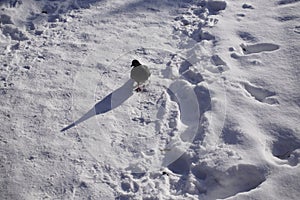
(140, 73)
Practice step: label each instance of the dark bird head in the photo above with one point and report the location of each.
(135, 63)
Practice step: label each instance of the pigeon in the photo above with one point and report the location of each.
(139, 73)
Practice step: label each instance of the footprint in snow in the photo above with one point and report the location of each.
(285, 144)
(261, 94)
(221, 184)
(220, 65)
(286, 2)
(241, 15)
(258, 48)
(247, 6)
(247, 37)
(215, 7)
(210, 22)
(297, 29)
(287, 18)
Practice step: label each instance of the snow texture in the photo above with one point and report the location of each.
(217, 119)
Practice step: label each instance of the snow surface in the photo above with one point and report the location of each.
(219, 117)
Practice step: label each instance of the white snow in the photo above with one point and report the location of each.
(219, 117)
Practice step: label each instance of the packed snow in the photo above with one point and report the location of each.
(217, 119)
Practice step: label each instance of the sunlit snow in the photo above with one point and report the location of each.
(217, 119)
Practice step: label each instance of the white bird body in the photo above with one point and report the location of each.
(140, 73)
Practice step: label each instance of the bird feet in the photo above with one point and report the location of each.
(138, 89)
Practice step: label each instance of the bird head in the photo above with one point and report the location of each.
(135, 63)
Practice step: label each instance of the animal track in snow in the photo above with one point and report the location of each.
(261, 94)
(297, 29)
(285, 145)
(287, 18)
(210, 22)
(231, 134)
(192, 76)
(185, 69)
(241, 15)
(285, 2)
(219, 184)
(246, 36)
(5, 19)
(192, 22)
(216, 60)
(216, 6)
(247, 6)
(220, 64)
(257, 48)
(128, 185)
(13, 32)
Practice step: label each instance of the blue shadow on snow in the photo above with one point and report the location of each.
(111, 101)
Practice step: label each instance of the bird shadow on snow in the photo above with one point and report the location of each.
(110, 102)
